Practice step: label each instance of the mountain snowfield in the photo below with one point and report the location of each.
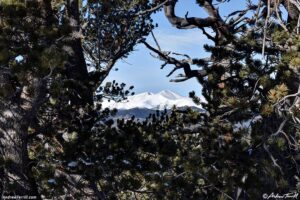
(162, 100)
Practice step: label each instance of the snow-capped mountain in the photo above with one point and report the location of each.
(163, 100)
(144, 104)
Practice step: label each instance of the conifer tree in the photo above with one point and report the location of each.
(57, 141)
(47, 90)
(250, 81)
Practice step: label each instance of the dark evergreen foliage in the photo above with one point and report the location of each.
(58, 142)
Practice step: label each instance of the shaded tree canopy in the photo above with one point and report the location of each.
(47, 90)
(251, 84)
(57, 141)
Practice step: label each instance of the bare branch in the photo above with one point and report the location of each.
(265, 27)
(155, 40)
(189, 73)
(187, 22)
(279, 17)
(157, 7)
(272, 158)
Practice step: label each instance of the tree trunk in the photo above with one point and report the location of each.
(15, 119)
(76, 68)
(15, 170)
(293, 11)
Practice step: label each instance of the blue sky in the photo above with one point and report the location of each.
(143, 71)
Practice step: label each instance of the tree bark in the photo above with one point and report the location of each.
(293, 11)
(76, 67)
(15, 168)
(16, 172)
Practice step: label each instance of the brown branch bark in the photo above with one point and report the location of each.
(187, 22)
(214, 20)
(76, 67)
(189, 73)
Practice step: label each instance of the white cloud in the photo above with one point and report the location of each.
(180, 41)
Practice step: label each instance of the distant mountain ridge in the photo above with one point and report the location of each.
(162, 100)
(144, 104)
